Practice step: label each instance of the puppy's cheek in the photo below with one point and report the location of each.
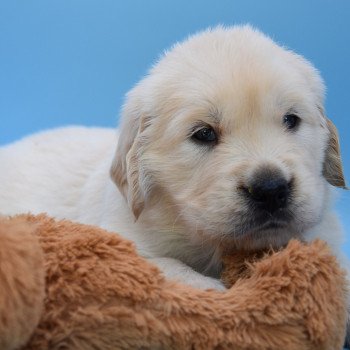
(309, 199)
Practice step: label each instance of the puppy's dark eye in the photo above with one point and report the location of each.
(291, 121)
(205, 135)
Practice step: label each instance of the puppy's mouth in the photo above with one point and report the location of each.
(266, 220)
(273, 224)
(261, 223)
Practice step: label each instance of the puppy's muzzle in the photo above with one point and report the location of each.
(269, 190)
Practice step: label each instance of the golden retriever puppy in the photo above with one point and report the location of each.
(223, 145)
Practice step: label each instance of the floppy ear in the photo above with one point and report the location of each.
(332, 166)
(125, 169)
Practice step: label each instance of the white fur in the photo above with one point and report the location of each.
(182, 195)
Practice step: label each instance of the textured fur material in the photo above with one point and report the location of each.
(100, 294)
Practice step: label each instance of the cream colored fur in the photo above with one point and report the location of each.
(178, 201)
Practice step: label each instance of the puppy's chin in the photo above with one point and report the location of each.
(264, 230)
(267, 231)
(272, 236)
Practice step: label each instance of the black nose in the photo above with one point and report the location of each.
(269, 192)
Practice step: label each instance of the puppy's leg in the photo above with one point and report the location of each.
(175, 269)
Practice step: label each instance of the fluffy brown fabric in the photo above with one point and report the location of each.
(21, 283)
(99, 294)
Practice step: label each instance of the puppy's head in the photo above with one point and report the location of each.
(226, 138)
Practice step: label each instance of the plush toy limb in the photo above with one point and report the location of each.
(238, 265)
(101, 295)
(21, 282)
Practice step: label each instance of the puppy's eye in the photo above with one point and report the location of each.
(291, 121)
(205, 135)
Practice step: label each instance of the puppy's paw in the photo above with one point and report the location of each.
(203, 282)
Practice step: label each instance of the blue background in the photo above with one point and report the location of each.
(71, 61)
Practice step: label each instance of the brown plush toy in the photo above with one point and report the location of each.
(70, 286)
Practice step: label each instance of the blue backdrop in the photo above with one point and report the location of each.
(71, 61)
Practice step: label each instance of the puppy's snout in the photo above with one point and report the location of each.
(269, 190)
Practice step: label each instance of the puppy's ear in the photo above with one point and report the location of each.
(125, 169)
(332, 166)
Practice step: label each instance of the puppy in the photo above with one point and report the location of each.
(224, 145)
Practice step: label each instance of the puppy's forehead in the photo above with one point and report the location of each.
(237, 70)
